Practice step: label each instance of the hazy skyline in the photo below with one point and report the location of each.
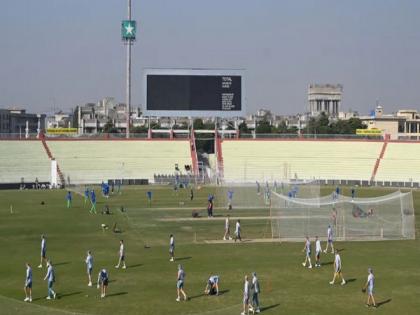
(66, 53)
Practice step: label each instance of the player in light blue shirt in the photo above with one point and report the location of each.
(307, 250)
(180, 284)
(50, 277)
(212, 286)
(89, 266)
(28, 283)
(230, 198)
(43, 251)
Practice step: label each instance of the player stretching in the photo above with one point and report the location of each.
(93, 201)
(171, 248)
(329, 240)
(89, 265)
(50, 276)
(369, 286)
(337, 269)
(227, 229)
(307, 250)
(121, 259)
(43, 251)
(246, 296)
(238, 231)
(212, 287)
(103, 282)
(68, 198)
(318, 250)
(180, 284)
(28, 283)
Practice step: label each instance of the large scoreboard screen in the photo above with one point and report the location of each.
(190, 93)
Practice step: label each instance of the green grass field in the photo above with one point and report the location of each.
(147, 286)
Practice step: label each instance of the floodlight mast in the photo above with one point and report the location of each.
(128, 78)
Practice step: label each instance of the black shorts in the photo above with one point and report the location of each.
(105, 282)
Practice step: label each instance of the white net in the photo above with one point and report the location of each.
(257, 195)
(385, 217)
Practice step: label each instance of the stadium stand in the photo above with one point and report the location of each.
(401, 162)
(23, 159)
(250, 160)
(92, 161)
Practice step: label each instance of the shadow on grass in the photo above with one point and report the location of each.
(196, 296)
(112, 281)
(223, 292)
(62, 263)
(183, 258)
(117, 294)
(383, 302)
(134, 266)
(327, 263)
(351, 280)
(59, 296)
(265, 308)
(340, 250)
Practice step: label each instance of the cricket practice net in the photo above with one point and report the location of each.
(389, 217)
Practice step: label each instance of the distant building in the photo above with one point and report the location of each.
(325, 98)
(92, 118)
(405, 124)
(59, 120)
(17, 121)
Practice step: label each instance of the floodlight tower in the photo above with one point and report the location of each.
(128, 34)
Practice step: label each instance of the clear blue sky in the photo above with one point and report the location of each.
(68, 52)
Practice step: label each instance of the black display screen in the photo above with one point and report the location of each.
(194, 93)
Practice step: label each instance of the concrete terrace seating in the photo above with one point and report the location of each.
(268, 160)
(21, 158)
(94, 161)
(401, 162)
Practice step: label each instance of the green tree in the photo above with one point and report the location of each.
(263, 127)
(243, 128)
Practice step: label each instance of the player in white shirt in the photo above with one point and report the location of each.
(238, 231)
(43, 251)
(337, 269)
(307, 250)
(227, 229)
(329, 240)
(89, 266)
(246, 296)
(50, 276)
(255, 286)
(369, 286)
(318, 250)
(28, 283)
(171, 248)
(121, 259)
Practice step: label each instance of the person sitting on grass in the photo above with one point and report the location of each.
(212, 286)
(103, 282)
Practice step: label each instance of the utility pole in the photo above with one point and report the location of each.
(128, 33)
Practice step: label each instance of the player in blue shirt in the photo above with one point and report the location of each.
(86, 195)
(180, 284)
(50, 277)
(28, 283)
(43, 251)
(149, 197)
(103, 281)
(89, 266)
(93, 201)
(68, 198)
